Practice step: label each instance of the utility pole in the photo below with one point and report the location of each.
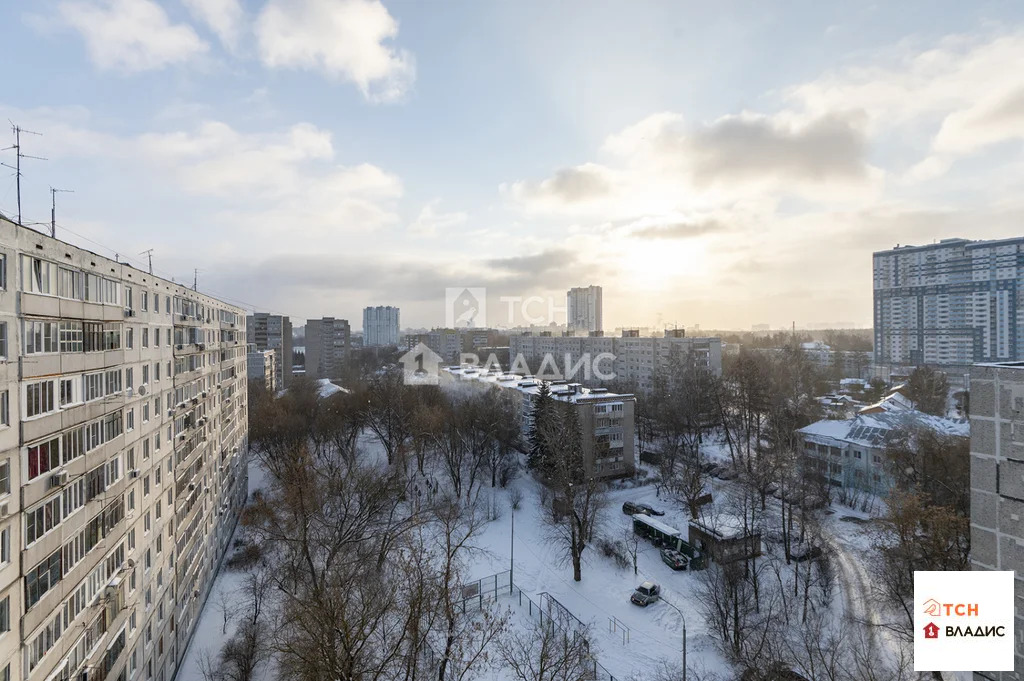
(512, 552)
(195, 279)
(53, 208)
(682, 617)
(149, 252)
(17, 158)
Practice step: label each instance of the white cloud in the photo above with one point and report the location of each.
(131, 35)
(963, 90)
(342, 38)
(430, 221)
(225, 18)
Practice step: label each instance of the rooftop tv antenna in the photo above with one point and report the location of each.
(17, 130)
(195, 279)
(149, 252)
(53, 208)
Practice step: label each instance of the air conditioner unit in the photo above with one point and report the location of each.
(206, 394)
(58, 479)
(182, 437)
(142, 390)
(131, 562)
(128, 312)
(134, 473)
(129, 392)
(191, 486)
(170, 412)
(5, 510)
(195, 400)
(179, 347)
(181, 404)
(195, 594)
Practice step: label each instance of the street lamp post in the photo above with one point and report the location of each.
(683, 617)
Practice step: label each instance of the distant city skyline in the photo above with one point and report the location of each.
(673, 153)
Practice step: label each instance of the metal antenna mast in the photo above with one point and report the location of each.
(149, 252)
(17, 158)
(195, 279)
(53, 208)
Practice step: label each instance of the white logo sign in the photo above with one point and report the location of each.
(465, 307)
(963, 621)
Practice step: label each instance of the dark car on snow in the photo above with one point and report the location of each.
(645, 594)
(632, 508)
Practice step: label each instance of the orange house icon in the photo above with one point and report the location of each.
(931, 630)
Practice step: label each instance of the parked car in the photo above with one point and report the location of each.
(632, 507)
(727, 473)
(645, 594)
(649, 510)
(674, 559)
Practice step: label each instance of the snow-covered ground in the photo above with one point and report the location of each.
(655, 632)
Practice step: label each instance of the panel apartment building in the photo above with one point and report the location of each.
(607, 419)
(953, 303)
(636, 358)
(327, 347)
(273, 332)
(380, 326)
(997, 486)
(123, 433)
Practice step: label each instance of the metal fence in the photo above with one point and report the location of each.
(476, 595)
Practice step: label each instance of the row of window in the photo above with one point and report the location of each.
(46, 456)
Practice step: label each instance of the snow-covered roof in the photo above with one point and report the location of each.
(655, 524)
(873, 430)
(894, 401)
(560, 390)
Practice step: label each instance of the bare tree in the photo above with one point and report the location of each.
(542, 652)
(578, 495)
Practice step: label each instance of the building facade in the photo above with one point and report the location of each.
(273, 332)
(262, 367)
(955, 303)
(631, 357)
(123, 440)
(327, 346)
(607, 420)
(997, 486)
(584, 307)
(380, 326)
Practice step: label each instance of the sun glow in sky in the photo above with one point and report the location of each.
(708, 163)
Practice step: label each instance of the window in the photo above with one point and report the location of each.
(129, 378)
(42, 519)
(5, 477)
(3, 279)
(145, 369)
(129, 341)
(37, 276)
(67, 391)
(93, 288)
(129, 420)
(129, 300)
(145, 301)
(39, 398)
(43, 457)
(113, 381)
(156, 302)
(3, 339)
(5, 616)
(70, 336)
(42, 578)
(156, 371)
(167, 305)
(5, 408)
(156, 337)
(5, 545)
(145, 337)
(69, 283)
(145, 412)
(92, 386)
(40, 336)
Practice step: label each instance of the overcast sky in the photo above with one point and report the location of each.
(722, 164)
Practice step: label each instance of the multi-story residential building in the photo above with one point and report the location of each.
(380, 326)
(273, 332)
(123, 439)
(584, 307)
(606, 419)
(997, 486)
(449, 344)
(327, 345)
(630, 357)
(850, 453)
(262, 367)
(955, 302)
